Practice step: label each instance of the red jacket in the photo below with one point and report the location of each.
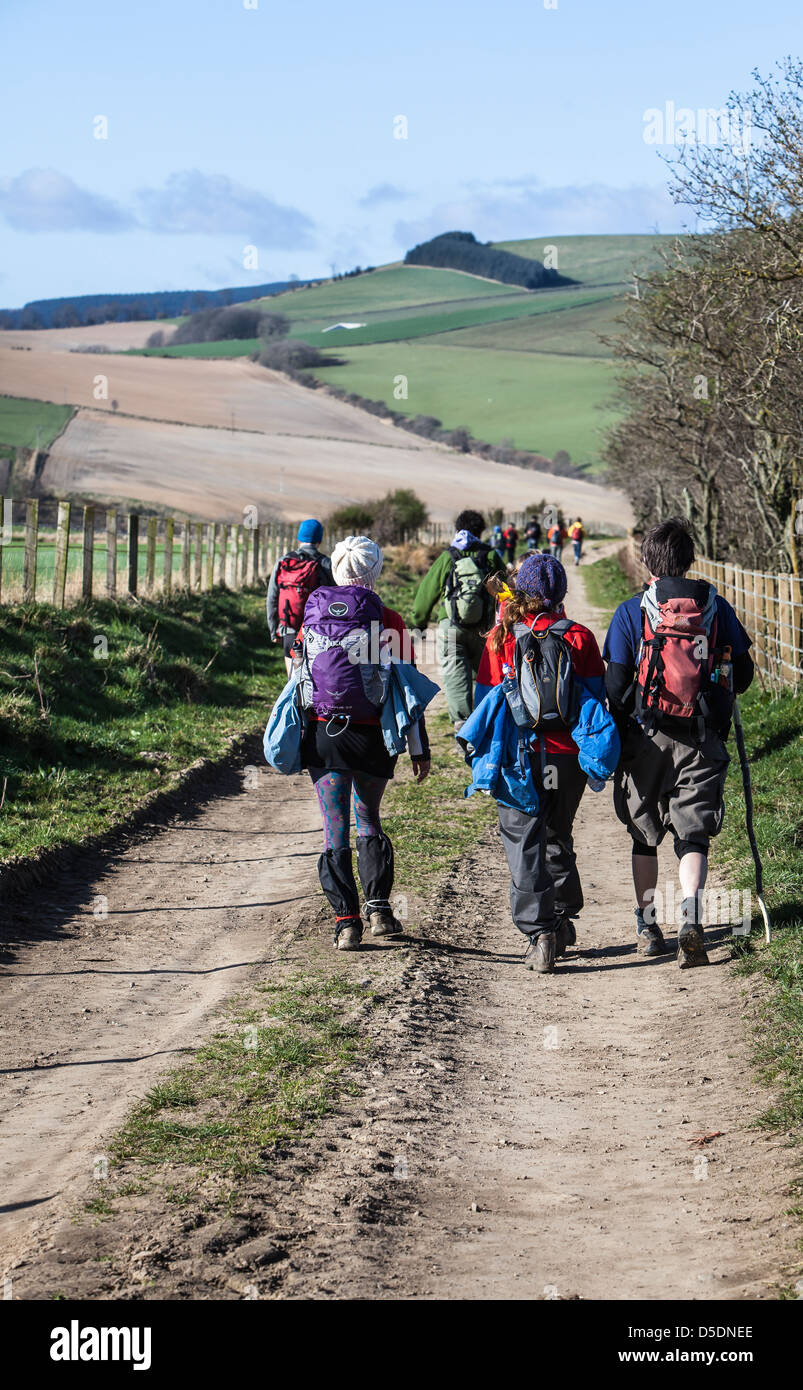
(586, 661)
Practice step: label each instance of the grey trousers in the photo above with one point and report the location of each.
(544, 882)
(459, 653)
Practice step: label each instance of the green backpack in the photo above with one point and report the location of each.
(466, 599)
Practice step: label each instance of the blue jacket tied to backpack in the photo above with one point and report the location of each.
(490, 740)
(409, 693)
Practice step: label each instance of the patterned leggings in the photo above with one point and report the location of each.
(334, 795)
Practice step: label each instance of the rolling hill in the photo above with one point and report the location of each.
(508, 363)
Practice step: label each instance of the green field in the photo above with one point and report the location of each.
(392, 287)
(531, 399)
(20, 420)
(596, 260)
(507, 363)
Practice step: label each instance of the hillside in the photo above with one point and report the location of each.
(208, 437)
(509, 364)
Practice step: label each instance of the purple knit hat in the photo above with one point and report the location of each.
(542, 576)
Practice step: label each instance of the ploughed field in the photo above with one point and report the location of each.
(211, 436)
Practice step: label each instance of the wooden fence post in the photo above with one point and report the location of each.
(243, 541)
(88, 552)
(197, 573)
(167, 579)
(185, 554)
(133, 552)
(786, 629)
(209, 576)
(796, 654)
(111, 552)
(31, 542)
(62, 551)
(771, 593)
(231, 559)
(150, 553)
(253, 564)
(221, 548)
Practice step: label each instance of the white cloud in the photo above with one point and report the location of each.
(43, 200)
(514, 209)
(213, 204)
(383, 193)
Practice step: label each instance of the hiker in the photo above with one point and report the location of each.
(556, 535)
(510, 539)
(551, 671)
(456, 579)
(496, 539)
(344, 748)
(577, 533)
(532, 533)
(295, 576)
(676, 655)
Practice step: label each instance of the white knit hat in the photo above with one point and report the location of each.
(357, 560)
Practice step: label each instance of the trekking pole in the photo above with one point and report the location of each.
(748, 804)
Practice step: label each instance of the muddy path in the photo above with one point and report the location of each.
(113, 973)
(515, 1136)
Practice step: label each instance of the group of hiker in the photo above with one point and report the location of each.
(505, 541)
(538, 711)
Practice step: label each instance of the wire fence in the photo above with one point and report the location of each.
(771, 608)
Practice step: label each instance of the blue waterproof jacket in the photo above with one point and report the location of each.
(490, 740)
(596, 735)
(409, 693)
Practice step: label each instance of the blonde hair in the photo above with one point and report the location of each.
(515, 610)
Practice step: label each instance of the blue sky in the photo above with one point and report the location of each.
(252, 123)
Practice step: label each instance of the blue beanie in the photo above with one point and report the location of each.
(310, 532)
(542, 576)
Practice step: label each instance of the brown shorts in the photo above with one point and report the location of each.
(670, 784)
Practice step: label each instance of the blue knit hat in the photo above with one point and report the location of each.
(310, 532)
(542, 576)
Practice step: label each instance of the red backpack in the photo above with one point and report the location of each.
(677, 651)
(297, 577)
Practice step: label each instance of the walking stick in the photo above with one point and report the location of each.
(748, 804)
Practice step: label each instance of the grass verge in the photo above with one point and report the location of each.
(270, 1070)
(106, 703)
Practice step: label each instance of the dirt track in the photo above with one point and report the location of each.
(519, 1136)
(212, 436)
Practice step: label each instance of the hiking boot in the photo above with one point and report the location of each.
(348, 934)
(540, 954)
(383, 923)
(565, 936)
(691, 946)
(650, 942)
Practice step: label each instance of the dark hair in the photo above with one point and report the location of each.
(668, 549)
(470, 521)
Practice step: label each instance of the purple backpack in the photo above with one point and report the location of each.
(341, 674)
